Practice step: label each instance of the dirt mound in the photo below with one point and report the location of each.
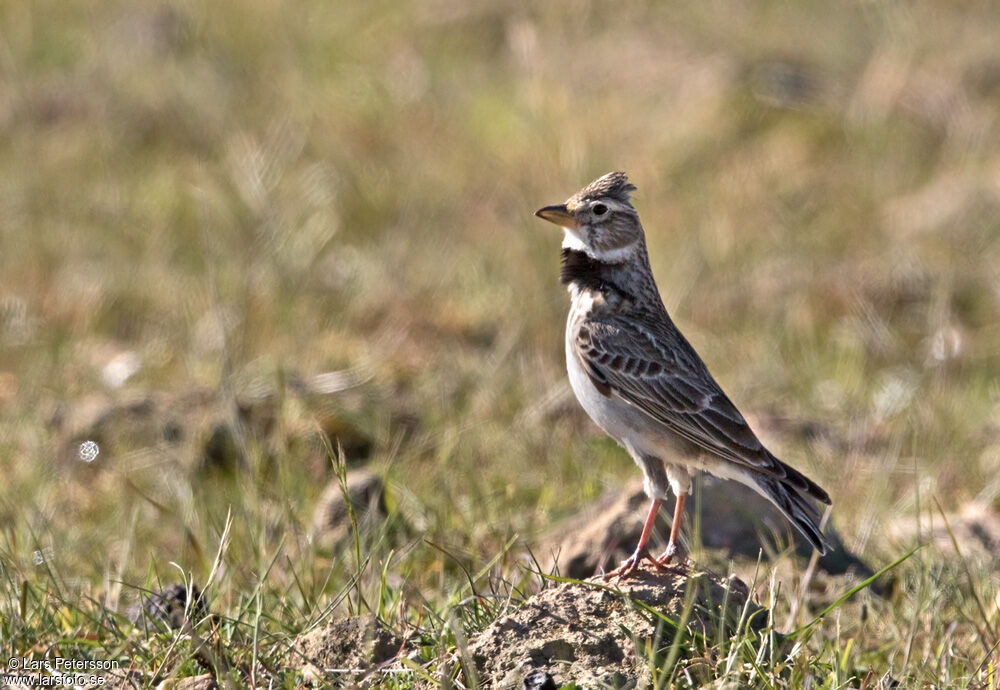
(203, 429)
(589, 633)
(975, 528)
(347, 651)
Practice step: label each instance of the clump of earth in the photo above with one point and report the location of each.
(592, 633)
(351, 650)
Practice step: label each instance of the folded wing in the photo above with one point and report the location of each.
(656, 370)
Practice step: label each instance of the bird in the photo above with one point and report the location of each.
(643, 383)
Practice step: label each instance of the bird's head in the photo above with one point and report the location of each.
(599, 219)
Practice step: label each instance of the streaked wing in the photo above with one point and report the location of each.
(651, 366)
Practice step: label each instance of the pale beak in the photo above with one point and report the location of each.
(557, 214)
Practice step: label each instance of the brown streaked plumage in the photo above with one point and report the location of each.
(640, 380)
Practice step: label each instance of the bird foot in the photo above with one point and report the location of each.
(668, 555)
(630, 564)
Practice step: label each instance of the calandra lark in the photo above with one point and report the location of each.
(641, 381)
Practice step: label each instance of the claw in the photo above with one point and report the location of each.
(630, 564)
(667, 556)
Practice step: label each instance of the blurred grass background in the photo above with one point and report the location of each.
(223, 196)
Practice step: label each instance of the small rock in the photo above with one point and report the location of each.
(120, 369)
(350, 648)
(202, 682)
(166, 608)
(331, 521)
(539, 680)
(587, 630)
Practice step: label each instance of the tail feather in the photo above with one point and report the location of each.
(784, 494)
(802, 483)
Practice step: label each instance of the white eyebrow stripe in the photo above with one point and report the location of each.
(613, 204)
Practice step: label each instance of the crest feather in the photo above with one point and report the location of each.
(614, 185)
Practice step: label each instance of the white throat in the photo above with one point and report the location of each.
(609, 256)
(572, 241)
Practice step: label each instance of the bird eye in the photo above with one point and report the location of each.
(599, 209)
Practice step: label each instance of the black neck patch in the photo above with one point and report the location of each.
(587, 273)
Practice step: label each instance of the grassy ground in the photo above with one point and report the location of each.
(228, 193)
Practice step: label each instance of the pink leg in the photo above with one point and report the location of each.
(632, 562)
(675, 531)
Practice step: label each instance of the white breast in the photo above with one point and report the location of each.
(606, 412)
